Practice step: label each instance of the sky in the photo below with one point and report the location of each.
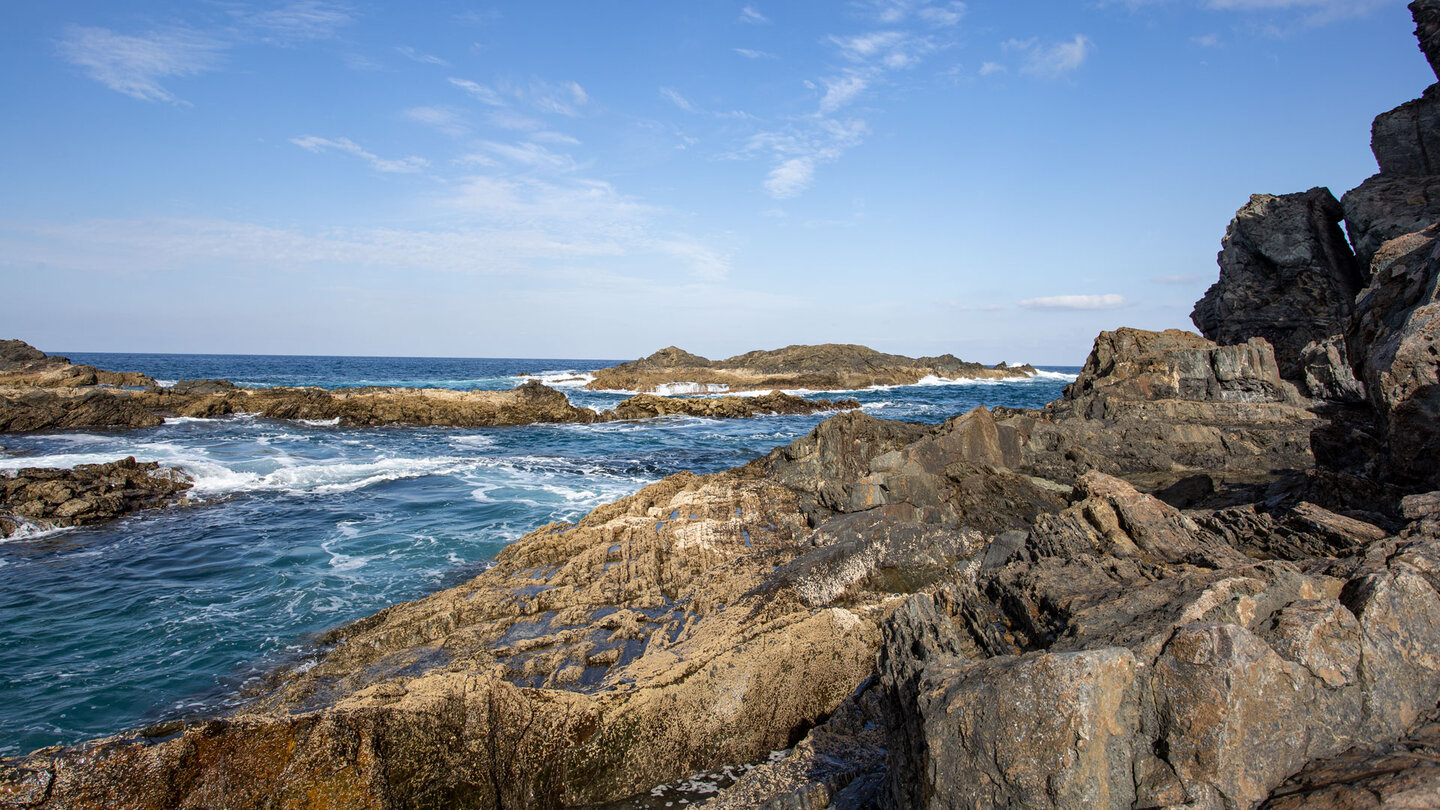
(997, 180)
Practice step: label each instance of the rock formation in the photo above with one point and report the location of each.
(90, 493)
(1286, 275)
(830, 367)
(46, 393)
(1180, 585)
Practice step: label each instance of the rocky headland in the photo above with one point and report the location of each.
(38, 392)
(1206, 577)
(42, 498)
(829, 367)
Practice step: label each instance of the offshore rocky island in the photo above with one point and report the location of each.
(1208, 576)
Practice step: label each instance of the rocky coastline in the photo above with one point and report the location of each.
(1206, 577)
(828, 367)
(39, 392)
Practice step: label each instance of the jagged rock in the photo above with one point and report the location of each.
(1401, 776)
(1286, 275)
(828, 367)
(1395, 343)
(89, 493)
(1327, 371)
(1078, 756)
(23, 365)
(27, 409)
(1388, 206)
(1404, 138)
(1158, 407)
(1427, 30)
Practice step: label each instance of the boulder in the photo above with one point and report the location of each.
(1404, 138)
(1287, 275)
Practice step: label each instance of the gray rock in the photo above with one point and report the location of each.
(1286, 275)
(1427, 30)
(1405, 138)
(1395, 344)
(1387, 206)
(1328, 375)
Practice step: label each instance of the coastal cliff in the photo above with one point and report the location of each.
(1208, 576)
(829, 367)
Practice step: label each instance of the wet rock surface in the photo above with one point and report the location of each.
(828, 367)
(40, 498)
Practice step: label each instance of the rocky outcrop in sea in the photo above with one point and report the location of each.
(49, 393)
(1208, 577)
(828, 367)
(38, 499)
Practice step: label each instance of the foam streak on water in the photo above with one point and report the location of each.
(301, 526)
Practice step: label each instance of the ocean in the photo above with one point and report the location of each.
(302, 526)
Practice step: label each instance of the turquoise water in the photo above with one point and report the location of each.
(301, 527)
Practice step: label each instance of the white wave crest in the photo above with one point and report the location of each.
(561, 379)
(317, 479)
(320, 422)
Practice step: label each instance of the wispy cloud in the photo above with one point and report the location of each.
(317, 145)
(1053, 60)
(990, 68)
(444, 119)
(300, 21)
(135, 65)
(841, 90)
(1108, 301)
(479, 91)
(1310, 12)
(678, 100)
(752, 16)
(418, 56)
(750, 53)
(525, 155)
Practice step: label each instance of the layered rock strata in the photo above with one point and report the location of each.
(43, 498)
(829, 367)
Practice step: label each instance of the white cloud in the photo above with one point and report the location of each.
(479, 91)
(528, 155)
(841, 90)
(947, 15)
(754, 54)
(417, 56)
(1055, 60)
(1108, 301)
(445, 119)
(865, 46)
(991, 67)
(1207, 41)
(317, 145)
(790, 177)
(677, 99)
(305, 20)
(135, 65)
(752, 15)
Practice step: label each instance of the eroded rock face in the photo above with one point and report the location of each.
(1287, 275)
(90, 493)
(1388, 206)
(1395, 342)
(23, 365)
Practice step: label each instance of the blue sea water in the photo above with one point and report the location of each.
(299, 527)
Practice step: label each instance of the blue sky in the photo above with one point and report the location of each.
(1000, 180)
